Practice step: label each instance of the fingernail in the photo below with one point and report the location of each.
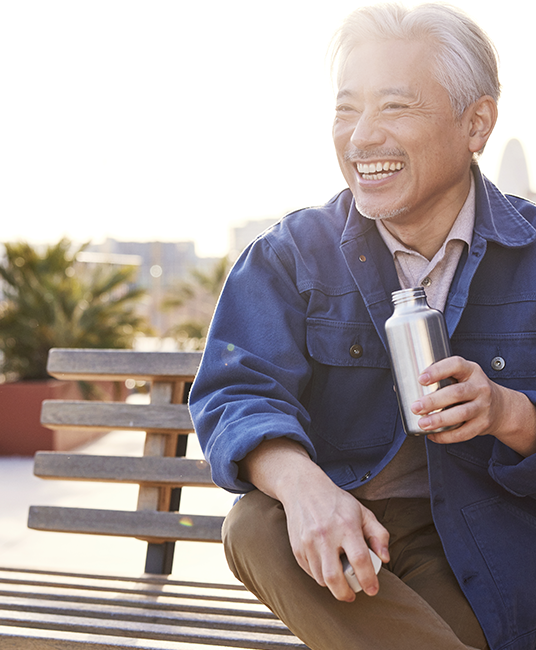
(416, 407)
(425, 423)
(424, 378)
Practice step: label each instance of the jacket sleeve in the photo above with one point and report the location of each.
(254, 367)
(511, 470)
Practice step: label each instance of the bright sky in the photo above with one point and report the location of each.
(176, 119)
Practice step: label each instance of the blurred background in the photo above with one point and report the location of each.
(167, 134)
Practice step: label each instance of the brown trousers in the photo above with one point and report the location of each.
(419, 606)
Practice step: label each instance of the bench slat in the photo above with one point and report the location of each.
(142, 524)
(161, 418)
(83, 611)
(183, 601)
(176, 472)
(147, 585)
(65, 363)
(235, 638)
(20, 638)
(141, 614)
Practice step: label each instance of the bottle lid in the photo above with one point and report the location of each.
(407, 294)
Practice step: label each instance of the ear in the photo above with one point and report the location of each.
(483, 116)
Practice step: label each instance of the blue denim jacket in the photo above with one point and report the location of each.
(281, 360)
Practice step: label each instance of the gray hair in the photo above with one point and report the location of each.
(466, 61)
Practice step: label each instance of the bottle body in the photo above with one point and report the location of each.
(416, 337)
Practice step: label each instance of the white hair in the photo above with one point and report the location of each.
(466, 61)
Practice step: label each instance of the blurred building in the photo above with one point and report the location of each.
(241, 236)
(163, 267)
(514, 173)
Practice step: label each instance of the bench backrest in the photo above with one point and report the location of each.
(162, 470)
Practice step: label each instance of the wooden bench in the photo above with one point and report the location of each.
(51, 610)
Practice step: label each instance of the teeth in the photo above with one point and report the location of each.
(375, 168)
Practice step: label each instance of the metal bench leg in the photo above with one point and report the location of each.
(159, 559)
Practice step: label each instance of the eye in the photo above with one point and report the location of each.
(346, 113)
(344, 108)
(395, 106)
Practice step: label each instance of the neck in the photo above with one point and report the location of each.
(426, 235)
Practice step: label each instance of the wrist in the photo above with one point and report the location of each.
(518, 426)
(279, 467)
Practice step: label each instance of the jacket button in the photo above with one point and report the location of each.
(498, 363)
(367, 475)
(356, 351)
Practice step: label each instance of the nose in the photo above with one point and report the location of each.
(367, 132)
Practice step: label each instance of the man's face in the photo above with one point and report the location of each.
(404, 155)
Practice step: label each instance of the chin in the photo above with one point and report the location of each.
(379, 214)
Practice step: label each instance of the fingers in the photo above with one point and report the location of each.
(335, 580)
(455, 366)
(333, 577)
(363, 567)
(323, 564)
(377, 536)
(318, 547)
(467, 407)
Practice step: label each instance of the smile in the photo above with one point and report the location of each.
(379, 170)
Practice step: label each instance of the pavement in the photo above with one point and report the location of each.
(21, 547)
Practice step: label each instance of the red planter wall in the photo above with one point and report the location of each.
(21, 433)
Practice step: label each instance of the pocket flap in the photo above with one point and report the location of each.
(336, 343)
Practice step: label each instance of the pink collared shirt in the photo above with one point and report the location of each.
(407, 474)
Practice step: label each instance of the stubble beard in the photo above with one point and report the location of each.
(369, 212)
(379, 215)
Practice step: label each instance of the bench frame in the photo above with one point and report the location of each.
(65, 611)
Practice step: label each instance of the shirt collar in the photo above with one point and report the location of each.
(462, 228)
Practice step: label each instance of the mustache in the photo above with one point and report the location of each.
(359, 155)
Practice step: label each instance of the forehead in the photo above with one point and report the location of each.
(398, 67)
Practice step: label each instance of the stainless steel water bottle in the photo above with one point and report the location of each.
(416, 337)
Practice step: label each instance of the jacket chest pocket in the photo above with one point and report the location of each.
(351, 399)
(508, 359)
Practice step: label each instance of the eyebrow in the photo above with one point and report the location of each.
(400, 91)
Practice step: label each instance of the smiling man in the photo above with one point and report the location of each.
(294, 402)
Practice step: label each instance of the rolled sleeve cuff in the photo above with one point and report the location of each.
(230, 448)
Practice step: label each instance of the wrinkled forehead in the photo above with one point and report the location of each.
(389, 67)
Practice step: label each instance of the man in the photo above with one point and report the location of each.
(294, 402)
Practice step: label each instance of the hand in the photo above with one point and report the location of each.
(476, 405)
(325, 521)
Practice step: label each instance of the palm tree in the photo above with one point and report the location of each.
(196, 299)
(51, 301)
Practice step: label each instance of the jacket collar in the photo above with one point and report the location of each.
(371, 265)
(497, 220)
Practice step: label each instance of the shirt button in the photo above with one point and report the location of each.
(356, 351)
(498, 363)
(426, 282)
